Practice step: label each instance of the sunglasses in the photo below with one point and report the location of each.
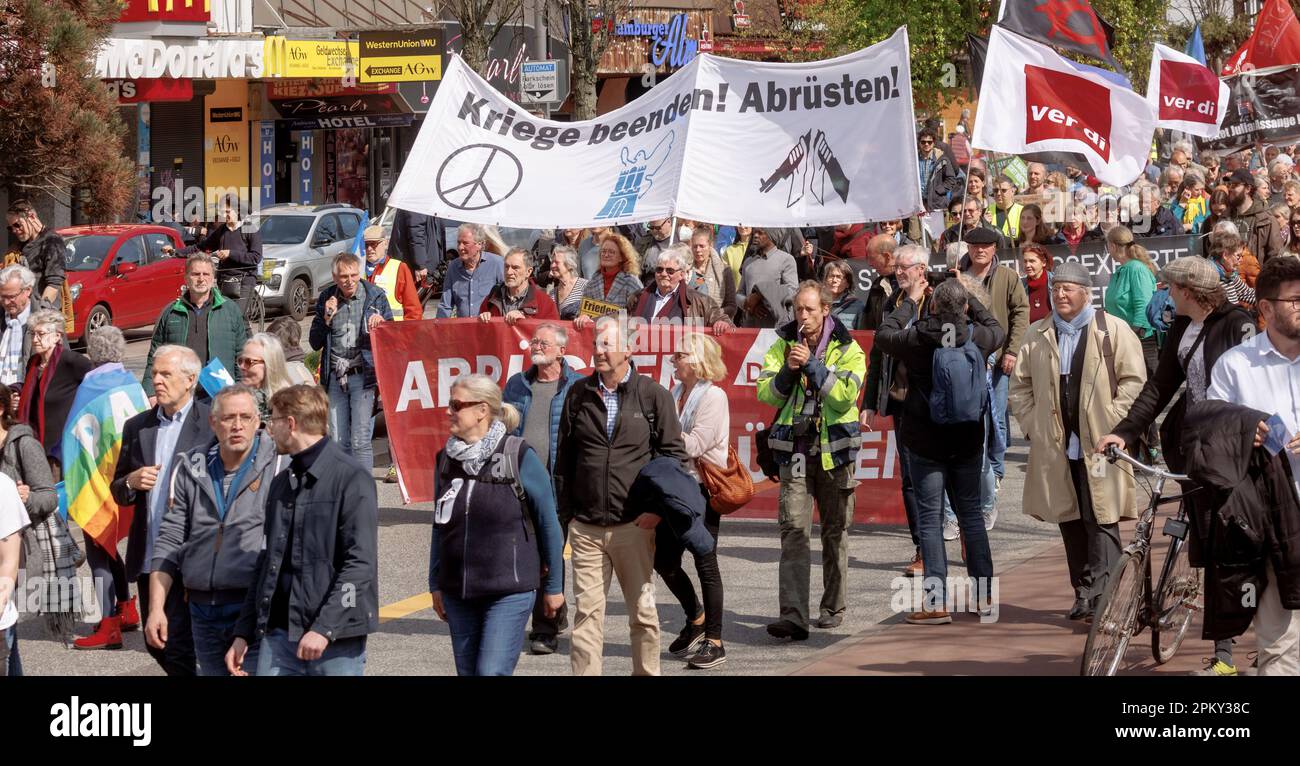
(248, 361)
(457, 405)
(665, 270)
(926, 142)
(15, 226)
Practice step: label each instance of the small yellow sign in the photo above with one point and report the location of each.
(403, 56)
(594, 308)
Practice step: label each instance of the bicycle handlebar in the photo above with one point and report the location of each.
(1113, 454)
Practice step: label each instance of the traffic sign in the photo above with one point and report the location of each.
(402, 56)
(540, 82)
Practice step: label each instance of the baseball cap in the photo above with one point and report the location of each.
(1241, 176)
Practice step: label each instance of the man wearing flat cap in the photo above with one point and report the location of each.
(1009, 304)
(1077, 374)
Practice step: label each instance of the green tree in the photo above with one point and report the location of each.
(60, 129)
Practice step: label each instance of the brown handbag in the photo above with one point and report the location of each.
(729, 488)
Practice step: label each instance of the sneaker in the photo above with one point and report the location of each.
(687, 641)
(938, 617)
(950, 529)
(710, 655)
(1216, 667)
(391, 478)
(540, 644)
(916, 568)
(991, 518)
(787, 629)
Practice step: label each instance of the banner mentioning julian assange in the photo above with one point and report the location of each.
(720, 140)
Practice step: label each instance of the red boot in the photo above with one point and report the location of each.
(130, 616)
(107, 635)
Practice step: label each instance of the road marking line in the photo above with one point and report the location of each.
(406, 607)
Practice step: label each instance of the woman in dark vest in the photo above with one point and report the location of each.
(483, 575)
(1205, 327)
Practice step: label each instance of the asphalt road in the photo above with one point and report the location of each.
(412, 641)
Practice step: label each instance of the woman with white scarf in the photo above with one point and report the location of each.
(484, 576)
(709, 273)
(1063, 394)
(706, 425)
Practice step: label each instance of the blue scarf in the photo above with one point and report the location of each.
(1067, 335)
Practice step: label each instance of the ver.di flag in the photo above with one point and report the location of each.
(763, 144)
(1185, 94)
(107, 398)
(1034, 100)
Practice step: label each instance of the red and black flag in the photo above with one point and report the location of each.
(1071, 25)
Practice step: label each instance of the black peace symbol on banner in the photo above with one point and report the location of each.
(477, 176)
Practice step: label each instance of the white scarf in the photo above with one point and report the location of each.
(692, 402)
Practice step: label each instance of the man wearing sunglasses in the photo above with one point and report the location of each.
(669, 300)
(43, 251)
(1005, 211)
(939, 178)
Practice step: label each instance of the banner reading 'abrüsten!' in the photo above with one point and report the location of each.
(807, 144)
(417, 362)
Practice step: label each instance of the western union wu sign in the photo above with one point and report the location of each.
(402, 56)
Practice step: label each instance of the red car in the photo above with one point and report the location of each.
(119, 275)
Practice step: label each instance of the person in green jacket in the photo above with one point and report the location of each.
(1130, 290)
(202, 319)
(813, 375)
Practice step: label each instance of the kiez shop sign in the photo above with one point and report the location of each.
(405, 56)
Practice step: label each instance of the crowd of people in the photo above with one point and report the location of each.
(254, 543)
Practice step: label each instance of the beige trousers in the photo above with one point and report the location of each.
(628, 552)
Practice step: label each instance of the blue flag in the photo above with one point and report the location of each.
(215, 377)
(359, 242)
(1196, 46)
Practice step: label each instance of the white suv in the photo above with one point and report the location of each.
(298, 244)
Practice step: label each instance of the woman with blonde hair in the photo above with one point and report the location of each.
(706, 425)
(263, 369)
(1131, 286)
(483, 577)
(619, 276)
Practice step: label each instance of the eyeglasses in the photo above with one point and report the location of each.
(248, 361)
(1294, 303)
(665, 270)
(15, 226)
(236, 417)
(1002, 191)
(457, 405)
(539, 343)
(44, 333)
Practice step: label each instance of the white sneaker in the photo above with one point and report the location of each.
(950, 530)
(990, 519)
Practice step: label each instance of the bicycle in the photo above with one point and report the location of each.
(1129, 603)
(231, 285)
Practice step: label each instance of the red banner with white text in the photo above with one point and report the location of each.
(417, 362)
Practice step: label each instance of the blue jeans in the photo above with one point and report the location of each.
(962, 476)
(1001, 386)
(213, 627)
(10, 665)
(278, 656)
(487, 633)
(350, 418)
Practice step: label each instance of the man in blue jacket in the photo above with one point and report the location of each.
(346, 313)
(471, 277)
(538, 393)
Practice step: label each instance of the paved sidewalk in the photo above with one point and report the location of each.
(1031, 636)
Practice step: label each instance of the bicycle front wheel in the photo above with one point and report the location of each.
(1175, 599)
(1116, 619)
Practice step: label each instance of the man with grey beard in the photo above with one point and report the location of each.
(538, 393)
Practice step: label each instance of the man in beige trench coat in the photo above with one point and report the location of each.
(1065, 397)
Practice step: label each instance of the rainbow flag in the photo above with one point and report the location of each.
(107, 398)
